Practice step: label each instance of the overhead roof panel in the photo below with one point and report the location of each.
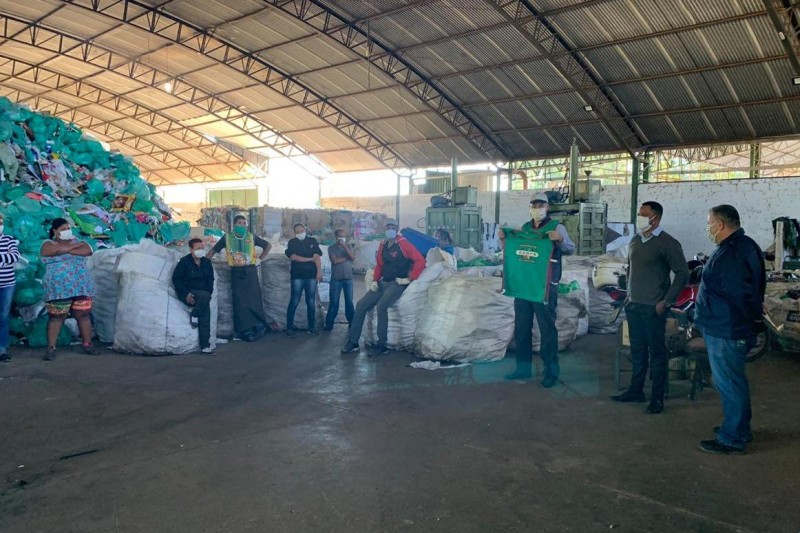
(72, 67)
(213, 12)
(131, 41)
(177, 59)
(78, 22)
(383, 102)
(30, 9)
(267, 28)
(291, 118)
(322, 139)
(307, 54)
(218, 79)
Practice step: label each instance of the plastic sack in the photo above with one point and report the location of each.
(106, 285)
(571, 307)
(465, 320)
(276, 291)
(17, 326)
(365, 252)
(222, 277)
(150, 319)
(28, 293)
(94, 190)
(405, 314)
(137, 231)
(37, 336)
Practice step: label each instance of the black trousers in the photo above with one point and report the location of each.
(524, 312)
(202, 310)
(648, 347)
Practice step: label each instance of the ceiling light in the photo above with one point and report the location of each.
(168, 86)
(588, 108)
(796, 80)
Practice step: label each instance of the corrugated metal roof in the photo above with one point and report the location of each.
(683, 72)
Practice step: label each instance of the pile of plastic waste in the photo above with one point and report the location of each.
(50, 169)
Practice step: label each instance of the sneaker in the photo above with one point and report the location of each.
(350, 348)
(713, 446)
(208, 351)
(90, 349)
(194, 321)
(327, 328)
(313, 332)
(716, 430)
(628, 396)
(49, 354)
(518, 375)
(291, 333)
(378, 349)
(4, 357)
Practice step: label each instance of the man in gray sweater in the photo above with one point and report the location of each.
(653, 255)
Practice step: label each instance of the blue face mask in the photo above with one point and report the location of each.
(391, 233)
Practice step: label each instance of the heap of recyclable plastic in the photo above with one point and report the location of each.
(50, 169)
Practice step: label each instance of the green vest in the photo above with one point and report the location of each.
(526, 262)
(241, 252)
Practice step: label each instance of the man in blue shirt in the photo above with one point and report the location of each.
(729, 309)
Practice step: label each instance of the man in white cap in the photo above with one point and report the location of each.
(398, 264)
(545, 313)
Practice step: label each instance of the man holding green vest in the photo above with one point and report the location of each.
(249, 321)
(532, 271)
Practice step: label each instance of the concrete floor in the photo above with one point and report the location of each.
(287, 435)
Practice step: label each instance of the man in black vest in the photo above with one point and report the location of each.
(525, 311)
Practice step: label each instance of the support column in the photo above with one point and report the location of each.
(453, 173)
(397, 202)
(497, 197)
(755, 160)
(635, 189)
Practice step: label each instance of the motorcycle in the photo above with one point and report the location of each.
(682, 330)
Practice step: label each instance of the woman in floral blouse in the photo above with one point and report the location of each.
(67, 284)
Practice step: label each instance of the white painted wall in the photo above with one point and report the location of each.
(686, 205)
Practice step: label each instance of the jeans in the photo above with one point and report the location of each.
(727, 358)
(524, 312)
(337, 286)
(310, 288)
(6, 298)
(202, 310)
(648, 347)
(388, 293)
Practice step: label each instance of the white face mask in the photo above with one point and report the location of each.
(642, 224)
(301, 236)
(711, 236)
(391, 233)
(1, 229)
(538, 213)
(199, 253)
(342, 239)
(66, 235)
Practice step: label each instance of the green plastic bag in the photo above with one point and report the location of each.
(31, 246)
(17, 192)
(17, 326)
(564, 288)
(137, 231)
(28, 205)
(37, 337)
(175, 231)
(28, 227)
(28, 293)
(51, 212)
(95, 190)
(142, 206)
(25, 274)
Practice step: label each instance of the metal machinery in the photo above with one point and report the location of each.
(460, 215)
(583, 215)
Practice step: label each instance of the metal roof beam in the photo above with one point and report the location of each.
(157, 21)
(337, 27)
(785, 16)
(89, 52)
(548, 42)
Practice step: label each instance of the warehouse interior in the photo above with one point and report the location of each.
(147, 123)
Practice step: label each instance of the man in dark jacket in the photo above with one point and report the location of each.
(729, 310)
(193, 280)
(654, 255)
(398, 264)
